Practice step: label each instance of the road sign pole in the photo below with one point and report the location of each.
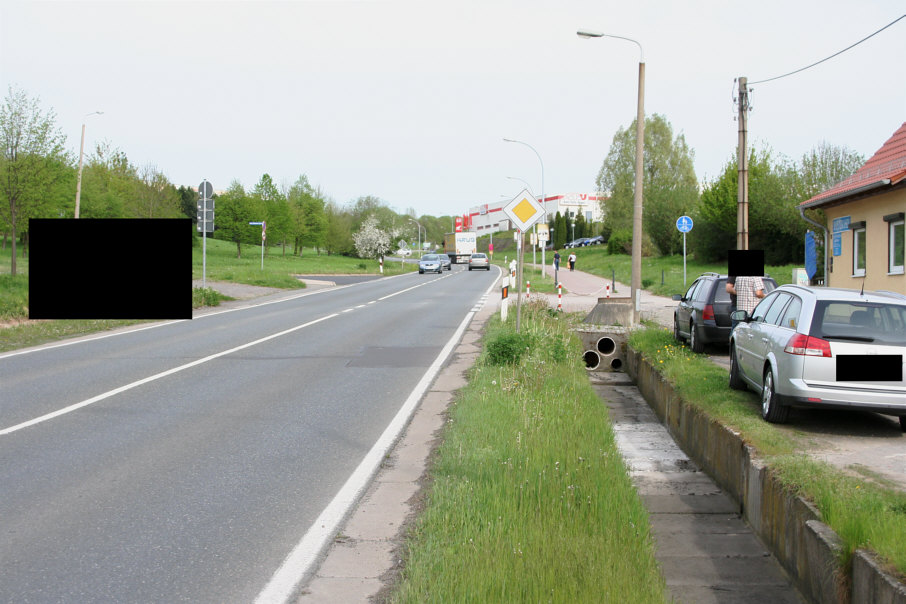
(684, 260)
(521, 244)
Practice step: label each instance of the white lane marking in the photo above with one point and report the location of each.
(163, 324)
(152, 378)
(302, 559)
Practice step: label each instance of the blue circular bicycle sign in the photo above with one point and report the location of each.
(684, 224)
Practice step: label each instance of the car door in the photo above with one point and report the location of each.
(746, 335)
(764, 334)
(684, 308)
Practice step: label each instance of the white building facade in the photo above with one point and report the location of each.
(490, 218)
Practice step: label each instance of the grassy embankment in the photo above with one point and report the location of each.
(864, 510)
(222, 265)
(529, 498)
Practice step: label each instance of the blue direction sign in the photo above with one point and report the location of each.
(684, 224)
(811, 255)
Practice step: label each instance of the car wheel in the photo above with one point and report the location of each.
(695, 342)
(771, 409)
(903, 423)
(421, 272)
(736, 382)
(676, 333)
(470, 268)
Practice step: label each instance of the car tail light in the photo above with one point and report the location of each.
(708, 313)
(804, 345)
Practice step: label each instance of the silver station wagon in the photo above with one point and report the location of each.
(822, 347)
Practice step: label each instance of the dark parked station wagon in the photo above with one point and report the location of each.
(703, 313)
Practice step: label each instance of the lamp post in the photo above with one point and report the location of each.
(636, 284)
(543, 202)
(78, 193)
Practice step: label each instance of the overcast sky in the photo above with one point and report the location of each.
(410, 101)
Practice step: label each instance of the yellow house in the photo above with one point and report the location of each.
(865, 218)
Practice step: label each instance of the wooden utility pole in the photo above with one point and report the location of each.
(742, 203)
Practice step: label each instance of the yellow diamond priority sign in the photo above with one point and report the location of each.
(524, 210)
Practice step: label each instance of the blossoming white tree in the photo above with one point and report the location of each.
(371, 241)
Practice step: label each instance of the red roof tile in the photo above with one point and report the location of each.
(889, 162)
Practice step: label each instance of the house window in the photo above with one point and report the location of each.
(895, 238)
(859, 251)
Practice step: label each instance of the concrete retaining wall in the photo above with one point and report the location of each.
(785, 522)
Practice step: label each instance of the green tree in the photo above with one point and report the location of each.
(338, 236)
(307, 212)
(774, 222)
(823, 167)
(280, 227)
(669, 183)
(560, 236)
(233, 213)
(153, 195)
(33, 161)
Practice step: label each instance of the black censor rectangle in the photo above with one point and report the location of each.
(869, 367)
(116, 268)
(745, 263)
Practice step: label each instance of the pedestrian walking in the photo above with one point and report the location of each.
(572, 261)
(745, 292)
(556, 260)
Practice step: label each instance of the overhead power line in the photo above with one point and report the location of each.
(832, 56)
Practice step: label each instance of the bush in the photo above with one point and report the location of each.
(620, 242)
(508, 347)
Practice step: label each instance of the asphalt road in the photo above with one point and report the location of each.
(185, 461)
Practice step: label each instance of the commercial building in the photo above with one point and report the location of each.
(490, 217)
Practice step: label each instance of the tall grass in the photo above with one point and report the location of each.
(530, 500)
(863, 512)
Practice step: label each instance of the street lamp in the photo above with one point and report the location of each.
(78, 193)
(636, 284)
(543, 202)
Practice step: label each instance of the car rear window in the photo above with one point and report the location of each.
(860, 321)
(720, 292)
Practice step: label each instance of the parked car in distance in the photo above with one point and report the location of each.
(445, 262)
(580, 242)
(404, 252)
(596, 240)
(703, 313)
(430, 263)
(479, 261)
(818, 347)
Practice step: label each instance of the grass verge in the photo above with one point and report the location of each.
(530, 500)
(862, 511)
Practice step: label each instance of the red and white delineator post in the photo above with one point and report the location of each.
(560, 297)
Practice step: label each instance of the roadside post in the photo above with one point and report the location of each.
(205, 224)
(504, 298)
(684, 225)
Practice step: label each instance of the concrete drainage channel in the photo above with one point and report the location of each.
(711, 534)
(706, 551)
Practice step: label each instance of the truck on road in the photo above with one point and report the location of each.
(459, 247)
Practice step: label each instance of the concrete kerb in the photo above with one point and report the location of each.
(790, 526)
